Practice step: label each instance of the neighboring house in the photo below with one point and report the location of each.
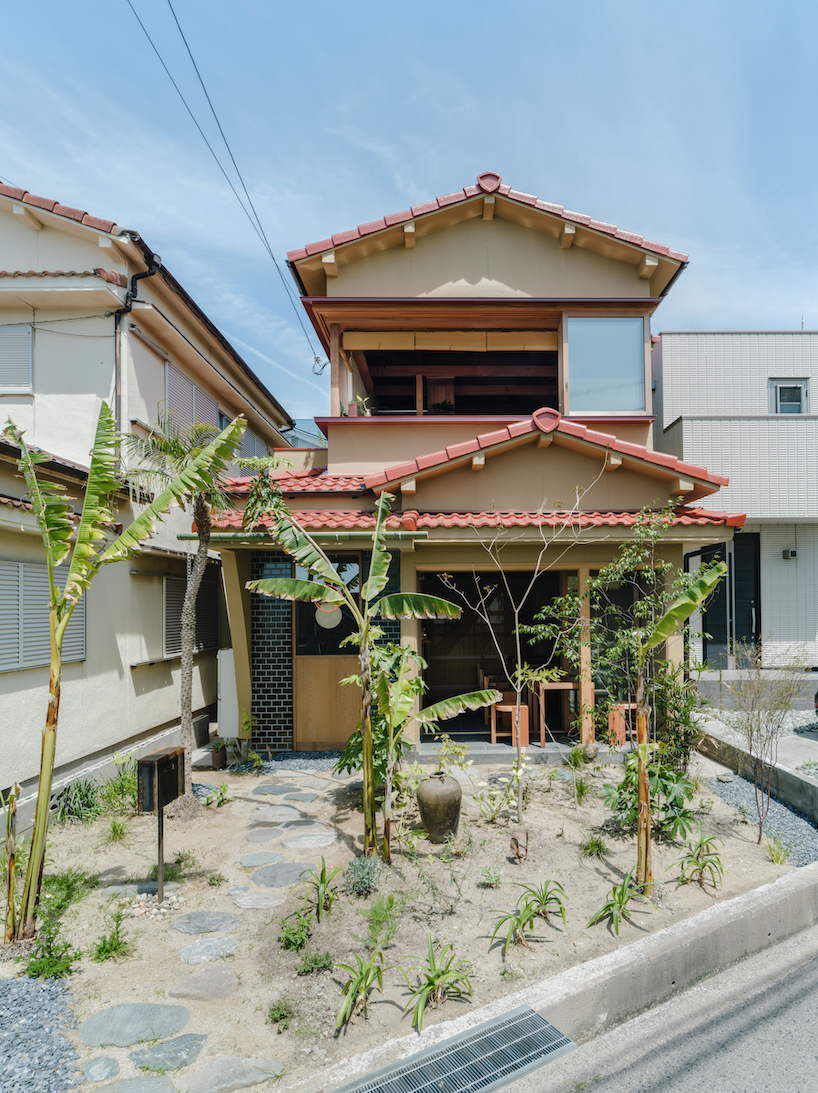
(739, 401)
(88, 312)
(502, 345)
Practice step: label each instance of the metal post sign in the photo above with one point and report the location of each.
(160, 780)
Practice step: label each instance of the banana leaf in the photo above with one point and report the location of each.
(416, 605)
(290, 588)
(682, 608)
(292, 539)
(49, 502)
(195, 478)
(451, 707)
(379, 565)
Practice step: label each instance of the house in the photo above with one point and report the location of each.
(88, 312)
(740, 401)
(490, 368)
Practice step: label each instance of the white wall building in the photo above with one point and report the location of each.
(739, 402)
(76, 327)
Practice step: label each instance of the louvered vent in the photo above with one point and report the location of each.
(487, 1057)
(15, 360)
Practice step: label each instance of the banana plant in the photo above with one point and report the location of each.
(86, 547)
(676, 615)
(396, 684)
(327, 588)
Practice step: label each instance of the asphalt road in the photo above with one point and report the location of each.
(751, 1029)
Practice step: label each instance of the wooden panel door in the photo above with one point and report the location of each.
(326, 714)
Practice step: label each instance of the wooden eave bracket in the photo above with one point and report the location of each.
(489, 204)
(647, 267)
(28, 218)
(613, 462)
(682, 485)
(409, 236)
(330, 266)
(544, 440)
(478, 462)
(567, 236)
(409, 486)
(109, 247)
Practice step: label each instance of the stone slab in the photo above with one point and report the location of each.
(260, 900)
(273, 791)
(236, 891)
(205, 922)
(305, 825)
(278, 812)
(253, 861)
(206, 984)
(314, 782)
(100, 1069)
(282, 875)
(133, 1022)
(138, 888)
(230, 1073)
(307, 798)
(171, 1055)
(208, 948)
(309, 841)
(263, 834)
(156, 1084)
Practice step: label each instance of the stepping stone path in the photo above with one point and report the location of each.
(206, 983)
(208, 948)
(206, 922)
(259, 900)
(309, 841)
(302, 823)
(172, 1055)
(252, 861)
(148, 887)
(316, 783)
(274, 791)
(141, 1085)
(277, 812)
(133, 1022)
(101, 1068)
(282, 875)
(237, 891)
(263, 834)
(230, 1073)
(307, 798)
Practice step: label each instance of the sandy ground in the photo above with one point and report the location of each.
(442, 890)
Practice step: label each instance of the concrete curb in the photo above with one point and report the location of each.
(586, 1000)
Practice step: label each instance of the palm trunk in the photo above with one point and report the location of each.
(201, 516)
(644, 865)
(26, 925)
(367, 763)
(11, 843)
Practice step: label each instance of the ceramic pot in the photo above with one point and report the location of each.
(219, 757)
(439, 804)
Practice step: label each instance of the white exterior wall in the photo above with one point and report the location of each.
(789, 592)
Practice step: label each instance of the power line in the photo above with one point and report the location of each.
(255, 223)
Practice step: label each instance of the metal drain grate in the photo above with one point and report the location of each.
(487, 1057)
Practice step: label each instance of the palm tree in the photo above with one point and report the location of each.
(159, 457)
(87, 547)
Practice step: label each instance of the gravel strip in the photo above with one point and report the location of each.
(34, 1055)
(782, 821)
(293, 760)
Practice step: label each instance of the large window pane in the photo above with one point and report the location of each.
(606, 365)
(319, 631)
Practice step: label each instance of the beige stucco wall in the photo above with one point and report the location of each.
(492, 258)
(69, 247)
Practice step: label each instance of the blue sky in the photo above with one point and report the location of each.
(692, 124)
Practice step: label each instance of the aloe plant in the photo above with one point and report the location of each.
(438, 977)
(328, 588)
(86, 547)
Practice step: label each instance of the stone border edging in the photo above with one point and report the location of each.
(586, 1000)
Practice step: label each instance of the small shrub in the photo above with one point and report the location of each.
(79, 802)
(741, 815)
(457, 847)
(359, 985)
(113, 945)
(119, 794)
(593, 847)
(296, 934)
(546, 899)
(615, 906)
(451, 756)
(516, 923)
(583, 789)
(61, 890)
(117, 831)
(219, 798)
(181, 864)
(576, 757)
(362, 876)
(255, 761)
(382, 920)
(780, 850)
(50, 958)
(701, 860)
(706, 806)
(281, 1013)
(438, 977)
(491, 876)
(319, 888)
(216, 880)
(313, 961)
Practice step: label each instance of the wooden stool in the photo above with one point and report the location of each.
(617, 722)
(509, 706)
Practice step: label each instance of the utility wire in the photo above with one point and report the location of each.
(255, 223)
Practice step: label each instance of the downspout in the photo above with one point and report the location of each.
(130, 296)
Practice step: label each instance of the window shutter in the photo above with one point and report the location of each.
(179, 398)
(207, 615)
(174, 599)
(252, 446)
(206, 408)
(15, 360)
(11, 616)
(25, 638)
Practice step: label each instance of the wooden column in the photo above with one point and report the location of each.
(586, 683)
(335, 369)
(419, 395)
(235, 574)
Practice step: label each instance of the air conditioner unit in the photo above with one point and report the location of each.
(790, 555)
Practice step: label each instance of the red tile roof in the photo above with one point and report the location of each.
(544, 420)
(311, 481)
(108, 275)
(59, 210)
(411, 520)
(487, 182)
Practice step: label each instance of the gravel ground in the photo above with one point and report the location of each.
(782, 821)
(34, 1055)
(293, 760)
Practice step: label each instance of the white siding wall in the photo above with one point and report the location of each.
(789, 592)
